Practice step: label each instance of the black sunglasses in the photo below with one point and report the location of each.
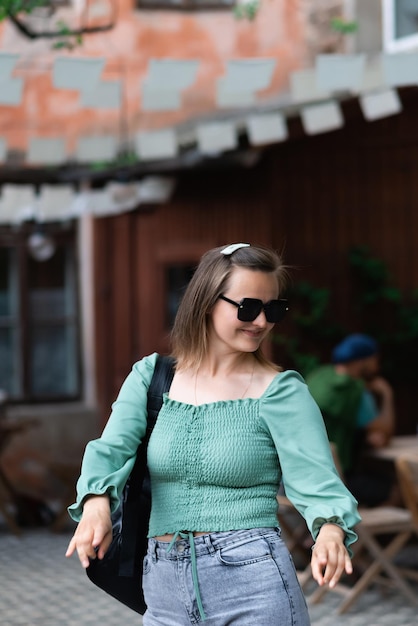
(250, 308)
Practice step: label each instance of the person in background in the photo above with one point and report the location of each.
(231, 426)
(358, 409)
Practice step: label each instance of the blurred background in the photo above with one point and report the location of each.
(135, 135)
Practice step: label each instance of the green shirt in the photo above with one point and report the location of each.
(218, 466)
(339, 398)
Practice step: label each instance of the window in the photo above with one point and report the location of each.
(185, 5)
(400, 25)
(9, 330)
(177, 279)
(39, 351)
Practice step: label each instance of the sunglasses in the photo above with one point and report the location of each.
(250, 308)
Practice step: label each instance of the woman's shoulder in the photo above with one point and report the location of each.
(144, 367)
(288, 400)
(285, 382)
(288, 376)
(146, 362)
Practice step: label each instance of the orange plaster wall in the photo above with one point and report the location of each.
(211, 37)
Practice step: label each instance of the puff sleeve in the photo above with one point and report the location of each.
(108, 460)
(310, 478)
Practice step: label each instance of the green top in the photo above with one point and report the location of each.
(217, 466)
(339, 398)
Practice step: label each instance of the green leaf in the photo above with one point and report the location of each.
(342, 26)
(247, 11)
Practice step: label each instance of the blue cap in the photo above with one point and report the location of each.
(353, 348)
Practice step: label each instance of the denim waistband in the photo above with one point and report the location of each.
(185, 545)
(205, 544)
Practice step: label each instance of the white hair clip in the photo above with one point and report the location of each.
(234, 246)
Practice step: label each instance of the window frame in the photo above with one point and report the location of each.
(184, 5)
(175, 292)
(16, 240)
(391, 43)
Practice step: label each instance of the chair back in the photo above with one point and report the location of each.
(407, 472)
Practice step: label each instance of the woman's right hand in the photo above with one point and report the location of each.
(93, 534)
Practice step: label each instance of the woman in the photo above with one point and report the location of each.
(231, 427)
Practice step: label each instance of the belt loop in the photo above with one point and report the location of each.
(209, 544)
(153, 549)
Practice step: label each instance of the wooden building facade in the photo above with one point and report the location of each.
(118, 278)
(313, 198)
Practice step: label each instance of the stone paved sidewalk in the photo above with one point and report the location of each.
(40, 587)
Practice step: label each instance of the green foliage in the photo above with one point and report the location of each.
(340, 25)
(67, 41)
(14, 7)
(373, 277)
(122, 160)
(378, 308)
(68, 44)
(387, 314)
(247, 10)
(317, 300)
(313, 327)
(303, 362)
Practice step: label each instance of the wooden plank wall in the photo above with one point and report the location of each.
(313, 197)
(132, 251)
(357, 186)
(114, 305)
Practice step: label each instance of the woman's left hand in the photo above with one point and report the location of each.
(329, 556)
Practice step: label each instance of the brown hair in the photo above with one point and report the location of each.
(190, 331)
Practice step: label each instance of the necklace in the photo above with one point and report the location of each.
(240, 397)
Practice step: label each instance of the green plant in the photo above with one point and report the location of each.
(247, 10)
(314, 330)
(388, 314)
(380, 309)
(345, 27)
(14, 7)
(372, 276)
(122, 160)
(66, 40)
(63, 35)
(303, 362)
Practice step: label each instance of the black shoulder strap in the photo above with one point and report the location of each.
(160, 383)
(134, 512)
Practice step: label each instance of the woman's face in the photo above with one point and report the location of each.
(226, 331)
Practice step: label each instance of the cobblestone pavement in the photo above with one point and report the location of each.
(40, 587)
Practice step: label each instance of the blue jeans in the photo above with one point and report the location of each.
(244, 578)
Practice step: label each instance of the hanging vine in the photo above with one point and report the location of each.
(63, 34)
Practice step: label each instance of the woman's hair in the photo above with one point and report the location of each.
(190, 331)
